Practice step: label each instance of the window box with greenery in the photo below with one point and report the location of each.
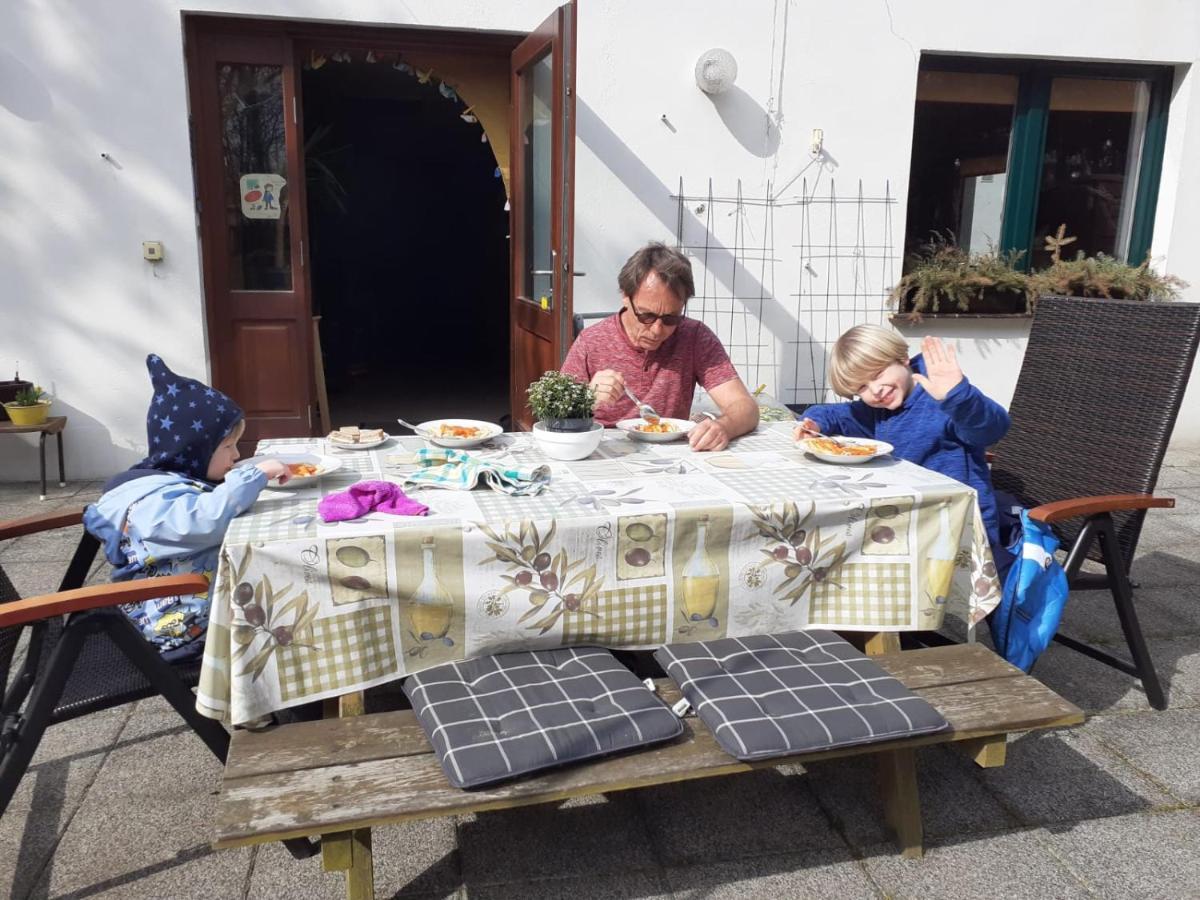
(947, 280)
(1103, 276)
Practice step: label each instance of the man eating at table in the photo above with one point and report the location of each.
(652, 350)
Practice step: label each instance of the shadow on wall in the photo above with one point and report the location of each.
(722, 264)
(91, 452)
(22, 93)
(998, 343)
(991, 362)
(65, 195)
(648, 190)
(747, 121)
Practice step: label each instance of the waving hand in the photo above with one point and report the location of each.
(941, 366)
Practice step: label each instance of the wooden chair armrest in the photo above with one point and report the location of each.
(45, 522)
(20, 612)
(989, 457)
(1090, 506)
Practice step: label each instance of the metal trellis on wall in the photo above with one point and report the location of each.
(840, 255)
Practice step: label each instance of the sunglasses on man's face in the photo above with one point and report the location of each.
(649, 318)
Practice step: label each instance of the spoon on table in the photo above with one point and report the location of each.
(645, 410)
(301, 519)
(424, 432)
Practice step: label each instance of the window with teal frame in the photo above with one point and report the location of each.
(1007, 152)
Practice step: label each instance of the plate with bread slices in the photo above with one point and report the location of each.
(350, 437)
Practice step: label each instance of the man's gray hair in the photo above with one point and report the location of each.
(672, 268)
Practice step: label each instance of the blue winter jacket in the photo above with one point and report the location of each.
(170, 524)
(949, 437)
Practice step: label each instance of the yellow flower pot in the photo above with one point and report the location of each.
(28, 415)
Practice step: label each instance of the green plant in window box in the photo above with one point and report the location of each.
(1104, 276)
(944, 278)
(561, 403)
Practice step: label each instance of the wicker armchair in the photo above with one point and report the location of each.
(1093, 411)
(83, 656)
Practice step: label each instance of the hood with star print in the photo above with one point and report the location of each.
(186, 422)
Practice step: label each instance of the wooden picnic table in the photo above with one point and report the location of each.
(638, 545)
(341, 777)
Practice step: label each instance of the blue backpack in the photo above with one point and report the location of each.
(1035, 593)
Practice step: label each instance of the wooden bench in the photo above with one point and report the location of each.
(340, 777)
(53, 425)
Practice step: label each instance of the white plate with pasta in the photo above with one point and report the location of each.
(304, 468)
(656, 432)
(458, 434)
(845, 450)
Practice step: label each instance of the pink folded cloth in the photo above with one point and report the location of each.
(362, 498)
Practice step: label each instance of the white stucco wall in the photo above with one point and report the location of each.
(80, 308)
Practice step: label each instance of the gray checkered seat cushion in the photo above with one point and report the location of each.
(497, 717)
(796, 692)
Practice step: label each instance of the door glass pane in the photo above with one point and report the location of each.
(1089, 171)
(961, 132)
(256, 177)
(536, 134)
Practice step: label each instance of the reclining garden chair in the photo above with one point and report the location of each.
(1095, 403)
(84, 655)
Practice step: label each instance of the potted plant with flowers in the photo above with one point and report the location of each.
(30, 406)
(563, 408)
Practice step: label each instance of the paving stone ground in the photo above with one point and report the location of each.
(120, 804)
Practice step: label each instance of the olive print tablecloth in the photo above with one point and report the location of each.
(639, 545)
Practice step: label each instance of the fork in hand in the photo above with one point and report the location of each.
(812, 432)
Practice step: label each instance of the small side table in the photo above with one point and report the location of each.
(53, 425)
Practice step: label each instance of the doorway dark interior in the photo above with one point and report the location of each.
(409, 254)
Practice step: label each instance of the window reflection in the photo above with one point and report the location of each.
(536, 130)
(961, 132)
(1089, 169)
(255, 162)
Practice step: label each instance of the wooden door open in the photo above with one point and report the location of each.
(244, 88)
(250, 193)
(543, 202)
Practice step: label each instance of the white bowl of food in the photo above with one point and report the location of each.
(305, 468)
(656, 432)
(458, 434)
(351, 437)
(568, 445)
(845, 450)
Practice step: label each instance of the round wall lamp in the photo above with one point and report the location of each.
(716, 71)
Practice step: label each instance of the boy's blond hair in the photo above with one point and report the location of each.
(862, 352)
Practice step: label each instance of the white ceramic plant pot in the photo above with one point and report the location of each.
(568, 445)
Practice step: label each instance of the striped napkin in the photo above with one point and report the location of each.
(459, 471)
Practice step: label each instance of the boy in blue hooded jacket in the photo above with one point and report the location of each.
(167, 515)
(924, 407)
